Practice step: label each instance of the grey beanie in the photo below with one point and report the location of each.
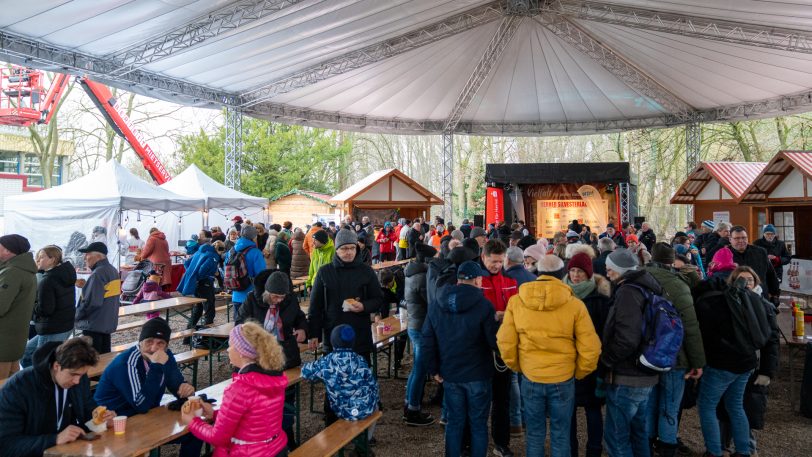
(277, 283)
(621, 260)
(345, 236)
(478, 231)
(248, 231)
(457, 235)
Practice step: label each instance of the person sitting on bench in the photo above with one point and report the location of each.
(249, 421)
(48, 403)
(135, 381)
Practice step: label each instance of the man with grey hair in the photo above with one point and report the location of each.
(606, 246)
(628, 386)
(514, 266)
(97, 312)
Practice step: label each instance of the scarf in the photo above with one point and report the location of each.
(273, 323)
(583, 288)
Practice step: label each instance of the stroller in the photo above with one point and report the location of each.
(133, 282)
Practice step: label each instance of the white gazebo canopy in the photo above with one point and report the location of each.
(193, 183)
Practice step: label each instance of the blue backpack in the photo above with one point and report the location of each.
(662, 333)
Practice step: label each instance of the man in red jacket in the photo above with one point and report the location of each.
(498, 289)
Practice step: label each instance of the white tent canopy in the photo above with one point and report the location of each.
(507, 67)
(196, 184)
(109, 197)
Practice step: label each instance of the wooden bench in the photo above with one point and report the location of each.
(190, 359)
(174, 336)
(131, 325)
(332, 439)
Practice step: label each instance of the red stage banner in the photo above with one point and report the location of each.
(494, 205)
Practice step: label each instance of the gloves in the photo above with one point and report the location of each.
(762, 380)
(600, 388)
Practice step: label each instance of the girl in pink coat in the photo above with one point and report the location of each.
(249, 421)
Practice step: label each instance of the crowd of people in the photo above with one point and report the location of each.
(516, 332)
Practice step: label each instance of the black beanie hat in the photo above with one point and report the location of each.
(471, 244)
(663, 253)
(424, 251)
(277, 283)
(320, 236)
(155, 328)
(15, 243)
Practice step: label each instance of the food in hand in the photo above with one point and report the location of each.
(98, 415)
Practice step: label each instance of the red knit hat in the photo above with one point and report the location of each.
(581, 261)
(632, 237)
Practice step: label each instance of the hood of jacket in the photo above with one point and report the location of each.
(644, 279)
(43, 358)
(64, 274)
(459, 298)
(415, 268)
(255, 378)
(603, 286)
(544, 294)
(259, 284)
(298, 236)
(206, 248)
(24, 262)
(159, 235)
(244, 243)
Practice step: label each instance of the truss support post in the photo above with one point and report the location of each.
(233, 147)
(448, 175)
(693, 144)
(625, 203)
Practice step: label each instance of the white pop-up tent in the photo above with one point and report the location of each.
(73, 214)
(220, 202)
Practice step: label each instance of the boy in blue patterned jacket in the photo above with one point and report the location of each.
(351, 387)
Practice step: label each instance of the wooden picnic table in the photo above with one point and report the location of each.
(383, 342)
(390, 264)
(167, 304)
(147, 431)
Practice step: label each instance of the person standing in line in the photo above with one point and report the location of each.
(156, 250)
(254, 263)
(97, 312)
(18, 291)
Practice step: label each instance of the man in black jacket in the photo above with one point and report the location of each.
(345, 291)
(276, 309)
(628, 386)
(647, 236)
(606, 246)
(48, 403)
(755, 258)
(776, 250)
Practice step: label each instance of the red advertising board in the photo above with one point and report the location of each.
(494, 205)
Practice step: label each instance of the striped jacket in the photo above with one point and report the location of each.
(128, 387)
(351, 387)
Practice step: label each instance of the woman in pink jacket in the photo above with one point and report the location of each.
(249, 421)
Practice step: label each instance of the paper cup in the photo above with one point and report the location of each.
(381, 329)
(119, 424)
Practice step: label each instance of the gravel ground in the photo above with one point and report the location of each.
(787, 434)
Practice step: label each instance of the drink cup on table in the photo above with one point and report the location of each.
(119, 424)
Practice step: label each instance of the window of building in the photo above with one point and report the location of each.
(784, 222)
(32, 169)
(9, 163)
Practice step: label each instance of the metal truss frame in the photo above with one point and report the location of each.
(368, 55)
(693, 146)
(505, 32)
(765, 36)
(625, 203)
(26, 51)
(448, 175)
(233, 148)
(615, 63)
(198, 30)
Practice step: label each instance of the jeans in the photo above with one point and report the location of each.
(204, 289)
(594, 431)
(515, 402)
(556, 401)
(664, 406)
(500, 408)
(417, 378)
(38, 341)
(467, 402)
(720, 385)
(626, 431)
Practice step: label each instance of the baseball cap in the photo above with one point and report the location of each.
(470, 270)
(96, 246)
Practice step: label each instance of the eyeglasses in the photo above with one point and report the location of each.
(739, 238)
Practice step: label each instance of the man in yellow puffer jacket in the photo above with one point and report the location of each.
(548, 337)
